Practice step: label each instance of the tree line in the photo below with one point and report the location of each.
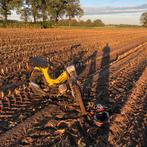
(41, 10)
(54, 11)
(143, 19)
(85, 23)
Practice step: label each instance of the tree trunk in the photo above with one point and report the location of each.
(43, 16)
(56, 20)
(69, 21)
(5, 11)
(34, 17)
(43, 12)
(5, 16)
(57, 16)
(25, 16)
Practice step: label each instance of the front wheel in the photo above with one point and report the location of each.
(76, 92)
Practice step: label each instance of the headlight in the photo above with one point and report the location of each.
(71, 69)
(62, 88)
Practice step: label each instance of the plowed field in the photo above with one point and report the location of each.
(111, 65)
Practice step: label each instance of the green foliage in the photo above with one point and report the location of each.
(57, 9)
(24, 10)
(18, 24)
(46, 24)
(52, 10)
(143, 19)
(34, 9)
(49, 11)
(6, 6)
(43, 8)
(73, 9)
(98, 22)
(88, 23)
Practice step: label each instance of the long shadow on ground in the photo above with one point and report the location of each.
(103, 80)
(103, 93)
(88, 83)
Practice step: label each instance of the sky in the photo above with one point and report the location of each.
(112, 11)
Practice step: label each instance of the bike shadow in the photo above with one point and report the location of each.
(89, 79)
(78, 62)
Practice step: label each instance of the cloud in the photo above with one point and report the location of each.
(114, 9)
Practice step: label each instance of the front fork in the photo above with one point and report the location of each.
(75, 89)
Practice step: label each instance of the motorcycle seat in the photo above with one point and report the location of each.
(38, 62)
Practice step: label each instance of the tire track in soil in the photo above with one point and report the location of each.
(20, 104)
(43, 109)
(102, 139)
(128, 127)
(122, 56)
(15, 134)
(114, 68)
(121, 84)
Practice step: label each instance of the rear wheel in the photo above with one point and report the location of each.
(38, 84)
